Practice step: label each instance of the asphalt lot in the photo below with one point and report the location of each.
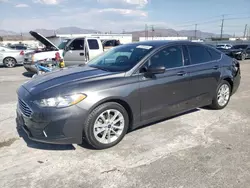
(203, 148)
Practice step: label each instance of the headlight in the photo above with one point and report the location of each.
(61, 101)
(238, 53)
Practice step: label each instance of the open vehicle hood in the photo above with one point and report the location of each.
(43, 40)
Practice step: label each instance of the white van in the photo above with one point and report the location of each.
(73, 51)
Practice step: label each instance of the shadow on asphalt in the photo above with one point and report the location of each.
(42, 146)
(85, 145)
(28, 74)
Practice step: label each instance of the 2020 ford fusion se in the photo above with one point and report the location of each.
(126, 87)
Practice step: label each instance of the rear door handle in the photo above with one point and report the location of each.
(216, 67)
(181, 73)
(81, 54)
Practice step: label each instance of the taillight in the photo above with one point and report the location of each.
(22, 53)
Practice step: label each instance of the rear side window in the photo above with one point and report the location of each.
(93, 44)
(21, 48)
(199, 54)
(214, 54)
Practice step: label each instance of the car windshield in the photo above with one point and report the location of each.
(63, 44)
(239, 47)
(220, 45)
(121, 58)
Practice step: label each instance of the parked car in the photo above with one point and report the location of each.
(10, 58)
(108, 44)
(128, 86)
(73, 51)
(239, 52)
(224, 46)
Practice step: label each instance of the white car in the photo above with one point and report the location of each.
(224, 46)
(73, 51)
(11, 58)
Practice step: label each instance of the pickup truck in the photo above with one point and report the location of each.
(73, 51)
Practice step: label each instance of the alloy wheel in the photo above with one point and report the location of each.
(9, 62)
(109, 126)
(223, 95)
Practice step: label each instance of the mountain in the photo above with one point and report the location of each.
(172, 32)
(65, 30)
(136, 34)
(4, 33)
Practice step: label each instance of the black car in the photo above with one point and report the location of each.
(239, 52)
(127, 87)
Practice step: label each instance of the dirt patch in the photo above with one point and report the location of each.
(8, 142)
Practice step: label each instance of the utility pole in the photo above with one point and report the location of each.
(222, 27)
(195, 32)
(245, 31)
(146, 32)
(249, 34)
(153, 32)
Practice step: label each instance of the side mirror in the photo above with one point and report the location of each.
(156, 70)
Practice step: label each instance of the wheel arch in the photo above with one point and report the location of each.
(230, 81)
(9, 57)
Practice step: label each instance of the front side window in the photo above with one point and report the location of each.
(77, 44)
(63, 44)
(199, 54)
(170, 57)
(121, 58)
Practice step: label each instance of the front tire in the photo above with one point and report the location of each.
(106, 125)
(222, 96)
(243, 57)
(9, 62)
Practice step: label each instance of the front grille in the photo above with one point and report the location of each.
(24, 108)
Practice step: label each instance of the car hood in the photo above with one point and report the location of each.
(63, 77)
(43, 40)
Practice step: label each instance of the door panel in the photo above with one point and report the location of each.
(204, 74)
(164, 94)
(94, 48)
(75, 55)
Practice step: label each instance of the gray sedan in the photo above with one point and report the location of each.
(10, 57)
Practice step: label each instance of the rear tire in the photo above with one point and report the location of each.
(222, 96)
(106, 125)
(9, 62)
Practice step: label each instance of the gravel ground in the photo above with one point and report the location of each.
(203, 148)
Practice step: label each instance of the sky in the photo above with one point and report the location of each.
(127, 15)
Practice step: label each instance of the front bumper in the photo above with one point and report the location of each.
(51, 125)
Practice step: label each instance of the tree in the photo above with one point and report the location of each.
(1, 39)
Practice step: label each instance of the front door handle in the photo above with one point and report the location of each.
(181, 73)
(81, 54)
(216, 67)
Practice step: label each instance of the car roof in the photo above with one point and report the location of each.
(159, 43)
